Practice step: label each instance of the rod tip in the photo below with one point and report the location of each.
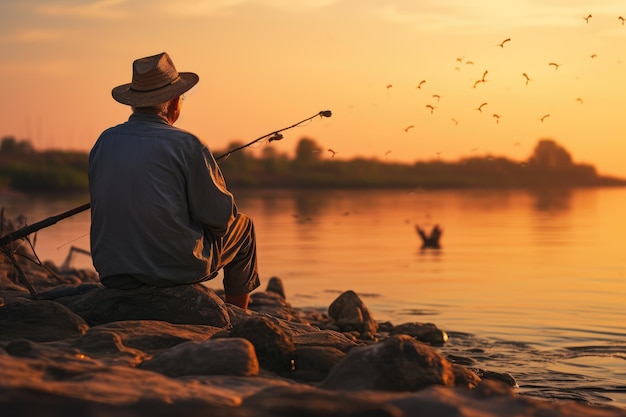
(326, 113)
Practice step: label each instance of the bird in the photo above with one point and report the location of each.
(497, 117)
(437, 96)
(406, 129)
(542, 118)
(469, 62)
(431, 108)
(456, 122)
(387, 153)
(580, 100)
(587, 18)
(480, 108)
(420, 84)
(527, 77)
(332, 152)
(501, 44)
(484, 75)
(621, 19)
(460, 59)
(477, 82)
(389, 86)
(555, 65)
(593, 56)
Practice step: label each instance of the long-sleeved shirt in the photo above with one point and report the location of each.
(156, 194)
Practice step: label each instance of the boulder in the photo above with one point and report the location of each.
(424, 332)
(39, 321)
(185, 304)
(274, 347)
(400, 363)
(233, 356)
(351, 314)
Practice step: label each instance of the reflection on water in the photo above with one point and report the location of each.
(553, 200)
(530, 283)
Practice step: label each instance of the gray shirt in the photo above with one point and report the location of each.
(156, 194)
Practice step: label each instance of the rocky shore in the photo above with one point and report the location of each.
(76, 348)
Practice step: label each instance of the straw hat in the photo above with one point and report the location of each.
(155, 81)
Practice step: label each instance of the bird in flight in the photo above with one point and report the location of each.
(501, 44)
(542, 118)
(587, 18)
(469, 62)
(456, 122)
(555, 65)
(484, 75)
(580, 100)
(387, 153)
(389, 86)
(332, 152)
(480, 108)
(593, 56)
(527, 77)
(477, 82)
(420, 84)
(459, 59)
(406, 129)
(437, 96)
(497, 117)
(431, 108)
(621, 19)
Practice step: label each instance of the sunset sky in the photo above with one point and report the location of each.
(266, 64)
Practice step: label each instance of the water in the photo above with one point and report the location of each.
(529, 283)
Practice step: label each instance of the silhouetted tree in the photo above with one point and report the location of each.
(307, 151)
(549, 154)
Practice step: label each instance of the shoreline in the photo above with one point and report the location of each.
(81, 348)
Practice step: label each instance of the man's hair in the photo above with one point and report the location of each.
(160, 109)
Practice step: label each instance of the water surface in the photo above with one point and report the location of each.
(529, 283)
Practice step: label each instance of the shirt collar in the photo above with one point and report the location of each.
(147, 117)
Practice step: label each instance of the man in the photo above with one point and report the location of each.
(161, 214)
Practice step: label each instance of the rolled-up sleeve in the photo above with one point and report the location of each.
(210, 202)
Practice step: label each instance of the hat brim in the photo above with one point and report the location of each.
(126, 95)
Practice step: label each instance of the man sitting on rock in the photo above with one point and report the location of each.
(161, 214)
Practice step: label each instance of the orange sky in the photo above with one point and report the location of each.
(266, 64)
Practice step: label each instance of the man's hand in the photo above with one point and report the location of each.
(238, 300)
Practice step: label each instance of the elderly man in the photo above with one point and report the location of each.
(161, 214)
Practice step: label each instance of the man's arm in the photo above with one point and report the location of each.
(238, 300)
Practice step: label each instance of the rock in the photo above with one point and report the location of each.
(272, 303)
(185, 304)
(504, 377)
(400, 363)
(424, 332)
(40, 321)
(274, 347)
(351, 314)
(313, 363)
(325, 338)
(233, 356)
(152, 336)
(275, 285)
(311, 402)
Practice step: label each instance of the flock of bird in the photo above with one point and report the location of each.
(526, 79)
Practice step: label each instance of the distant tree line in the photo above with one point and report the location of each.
(550, 165)
(23, 168)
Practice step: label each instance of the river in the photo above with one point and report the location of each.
(529, 283)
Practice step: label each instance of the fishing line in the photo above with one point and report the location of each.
(72, 241)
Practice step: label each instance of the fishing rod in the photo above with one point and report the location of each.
(27, 230)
